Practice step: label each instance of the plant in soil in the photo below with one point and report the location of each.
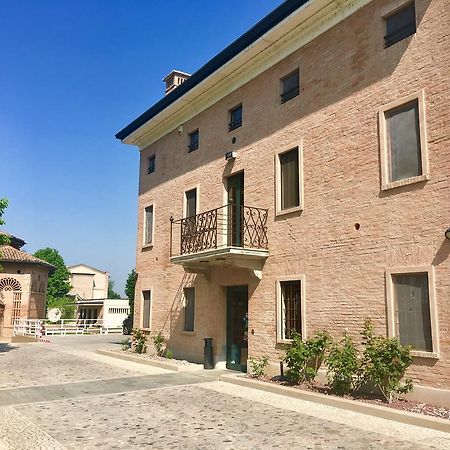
(158, 340)
(125, 344)
(168, 353)
(139, 341)
(343, 366)
(384, 363)
(304, 358)
(258, 366)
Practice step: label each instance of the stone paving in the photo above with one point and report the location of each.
(165, 410)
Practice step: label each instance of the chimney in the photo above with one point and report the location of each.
(174, 79)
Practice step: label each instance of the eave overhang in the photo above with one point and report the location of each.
(286, 29)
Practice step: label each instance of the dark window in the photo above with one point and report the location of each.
(290, 86)
(193, 141)
(191, 203)
(235, 118)
(151, 164)
(403, 142)
(413, 310)
(400, 24)
(146, 308)
(189, 309)
(148, 225)
(290, 308)
(290, 185)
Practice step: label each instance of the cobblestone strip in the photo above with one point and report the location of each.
(19, 433)
(425, 437)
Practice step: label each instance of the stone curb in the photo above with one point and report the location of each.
(342, 403)
(149, 362)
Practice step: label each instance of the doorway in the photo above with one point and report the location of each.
(235, 189)
(237, 328)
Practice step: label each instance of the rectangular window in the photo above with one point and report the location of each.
(290, 184)
(148, 225)
(413, 310)
(189, 309)
(290, 86)
(191, 203)
(400, 24)
(291, 316)
(193, 141)
(146, 308)
(403, 142)
(151, 164)
(235, 118)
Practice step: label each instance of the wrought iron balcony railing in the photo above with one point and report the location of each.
(227, 226)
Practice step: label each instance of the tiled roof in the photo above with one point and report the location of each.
(11, 254)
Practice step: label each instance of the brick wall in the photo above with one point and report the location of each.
(346, 76)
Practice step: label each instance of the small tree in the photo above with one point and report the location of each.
(111, 292)
(304, 358)
(4, 240)
(58, 282)
(384, 363)
(130, 287)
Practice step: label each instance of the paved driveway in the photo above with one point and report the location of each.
(63, 395)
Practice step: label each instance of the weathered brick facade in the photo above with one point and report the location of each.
(346, 76)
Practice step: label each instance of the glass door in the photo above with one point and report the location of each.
(237, 328)
(235, 189)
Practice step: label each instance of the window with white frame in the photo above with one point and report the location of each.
(189, 309)
(148, 225)
(403, 142)
(146, 308)
(411, 307)
(289, 181)
(290, 305)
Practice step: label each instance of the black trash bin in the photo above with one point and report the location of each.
(208, 358)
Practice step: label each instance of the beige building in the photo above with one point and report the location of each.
(300, 180)
(23, 285)
(87, 282)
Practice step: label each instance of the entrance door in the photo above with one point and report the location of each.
(237, 328)
(235, 189)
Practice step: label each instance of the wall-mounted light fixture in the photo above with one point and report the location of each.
(230, 155)
(447, 233)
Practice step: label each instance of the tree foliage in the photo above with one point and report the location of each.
(130, 287)
(111, 292)
(3, 205)
(58, 281)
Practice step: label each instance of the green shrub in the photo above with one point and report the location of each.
(169, 353)
(158, 340)
(139, 341)
(343, 366)
(304, 358)
(126, 343)
(384, 363)
(258, 366)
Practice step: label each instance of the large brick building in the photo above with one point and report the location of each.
(325, 131)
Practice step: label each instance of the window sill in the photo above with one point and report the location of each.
(405, 182)
(188, 333)
(148, 330)
(147, 246)
(424, 354)
(284, 341)
(282, 212)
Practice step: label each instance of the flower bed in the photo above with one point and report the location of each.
(148, 356)
(400, 404)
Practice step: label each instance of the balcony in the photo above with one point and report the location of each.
(232, 235)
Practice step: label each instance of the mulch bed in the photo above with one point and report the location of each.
(177, 362)
(404, 405)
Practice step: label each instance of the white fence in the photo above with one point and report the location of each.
(35, 327)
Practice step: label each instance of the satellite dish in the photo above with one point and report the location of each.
(54, 314)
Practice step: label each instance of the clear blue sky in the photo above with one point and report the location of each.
(73, 73)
